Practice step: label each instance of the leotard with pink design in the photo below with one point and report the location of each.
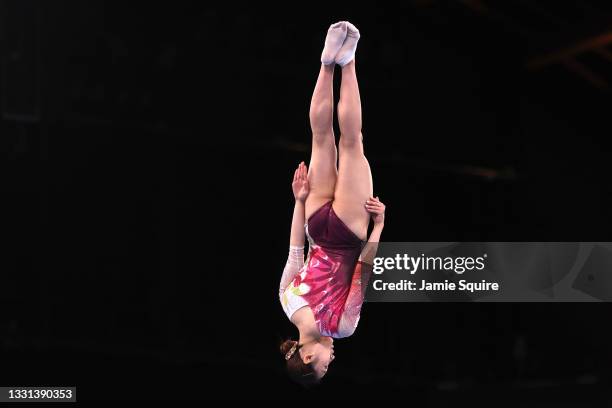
(332, 281)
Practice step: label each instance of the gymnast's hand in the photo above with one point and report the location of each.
(300, 185)
(376, 210)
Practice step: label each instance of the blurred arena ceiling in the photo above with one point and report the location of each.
(575, 35)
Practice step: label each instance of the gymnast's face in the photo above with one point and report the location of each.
(320, 354)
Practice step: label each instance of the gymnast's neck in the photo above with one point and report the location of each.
(304, 320)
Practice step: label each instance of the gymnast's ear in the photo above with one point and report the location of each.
(307, 357)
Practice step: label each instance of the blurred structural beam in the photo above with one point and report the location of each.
(582, 70)
(567, 57)
(560, 56)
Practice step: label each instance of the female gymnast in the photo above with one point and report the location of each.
(323, 296)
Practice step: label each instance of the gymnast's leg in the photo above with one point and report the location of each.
(354, 185)
(322, 172)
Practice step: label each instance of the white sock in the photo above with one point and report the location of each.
(347, 51)
(333, 42)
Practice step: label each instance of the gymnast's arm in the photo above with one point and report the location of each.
(377, 211)
(363, 271)
(295, 260)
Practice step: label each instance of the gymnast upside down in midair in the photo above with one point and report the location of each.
(323, 296)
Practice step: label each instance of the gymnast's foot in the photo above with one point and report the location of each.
(333, 42)
(347, 51)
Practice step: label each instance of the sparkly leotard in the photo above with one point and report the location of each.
(330, 282)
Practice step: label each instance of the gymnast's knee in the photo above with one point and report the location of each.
(351, 140)
(323, 138)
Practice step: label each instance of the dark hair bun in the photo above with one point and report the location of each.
(286, 346)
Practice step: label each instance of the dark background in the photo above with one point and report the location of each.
(147, 153)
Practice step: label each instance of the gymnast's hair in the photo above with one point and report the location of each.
(299, 372)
